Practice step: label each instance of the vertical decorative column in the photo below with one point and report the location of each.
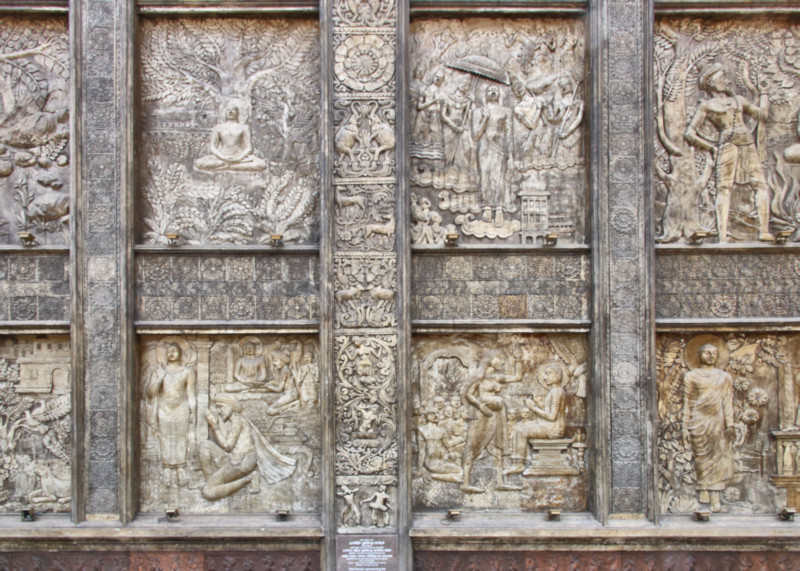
(365, 245)
(101, 226)
(621, 136)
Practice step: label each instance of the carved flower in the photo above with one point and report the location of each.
(668, 305)
(682, 504)
(741, 384)
(212, 269)
(732, 495)
(242, 308)
(569, 268)
(750, 416)
(23, 269)
(723, 305)
(540, 268)
(485, 307)
(157, 268)
(364, 62)
(485, 268)
(297, 308)
(458, 268)
(157, 308)
(511, 268)
(757, 397)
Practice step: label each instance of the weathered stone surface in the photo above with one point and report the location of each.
(34, 287)
(230, 134)
(230, 424)
(500, 422)
(496, 139)
(723, 401)
(35, 424)
(252, 287)
(500, 286)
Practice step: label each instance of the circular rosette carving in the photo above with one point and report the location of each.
(364, 62)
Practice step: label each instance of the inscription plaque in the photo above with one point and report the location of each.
(366, 553)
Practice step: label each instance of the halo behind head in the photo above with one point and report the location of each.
(692, 351)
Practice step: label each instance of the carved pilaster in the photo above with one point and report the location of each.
(102, 29)
(622, 245)
(364, 84)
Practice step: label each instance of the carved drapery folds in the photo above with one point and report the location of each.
(728, 422)
(230, 424)
(34, 132)
(230, 131)
(496, 141)
(727, 95)
(500, 422)
(35, 424)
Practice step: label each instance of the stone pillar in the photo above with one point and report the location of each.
(362, 46)
(622, 246)
(100, 40)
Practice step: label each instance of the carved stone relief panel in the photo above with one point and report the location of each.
(501, 286)
(728, 432)
(728, 145)
(34, 287)
(500, 422)
(34, 131)
(496, 140)
(727, 286)
(230, 130)
(230, 424)
(35, 423)
(227, 287)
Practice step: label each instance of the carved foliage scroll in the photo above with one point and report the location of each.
(34, 135)
(728, 426)
(496, 139)
(500, 422)
(230, 131)
(230, 424)
(35, 424)
(727, 95)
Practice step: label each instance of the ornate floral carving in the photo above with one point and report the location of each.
(496, 135)
(364, 13)
(364, 62)
(233, 418)
(35, 425)
(493, 414)
(366, 401)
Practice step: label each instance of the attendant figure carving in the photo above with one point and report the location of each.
(708, 423)
(734, 154)
(231, 146)
(230, 463)
(432, 454)
(379, 506)
(170, 391)
(486, 428)
(283, 382)
(427, 140)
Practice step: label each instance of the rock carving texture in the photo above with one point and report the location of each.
(35, 424)
(230, 424)
(727, 286)
(34, 131)
(500, 422)
(727, 94)
(496, 141)
(728, 423)
(34, 287)
(500, 286)
(227, 287)
(230, 131)
(363, 48)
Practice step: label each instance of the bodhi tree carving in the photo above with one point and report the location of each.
(230, 104)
